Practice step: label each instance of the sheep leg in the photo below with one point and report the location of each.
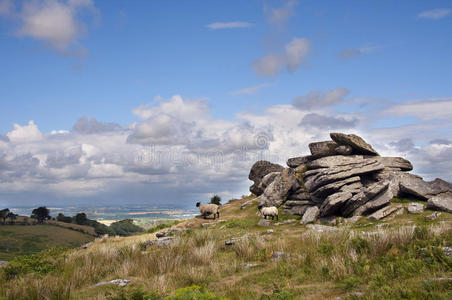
(277, 217)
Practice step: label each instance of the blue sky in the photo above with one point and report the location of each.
(378, 68)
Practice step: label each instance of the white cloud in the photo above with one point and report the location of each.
(279, 16)
(178, 152)
(59, 24)
(250, 90)
(228, 25)
(26, 133)
(435, 14)
(293, 56)
(430, 109)
(321, 99)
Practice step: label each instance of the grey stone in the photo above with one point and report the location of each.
(328, 189)
(280, 255)
(164, 241)
(249, 202)
(247, 266)
(118, 282)
(264, 222)
(296, 210)
(266, 182)
(396, 162)
(383, 212)
(415, 208)
(379, 201)
(334, 168)
(275, 194)
(433, 216)
(320, 149)
(291, 203)
(357, 143)
(414, 185)
(300, 194)
(344, 150)
(3, 263)
(298, 161)
(311, 215)
(270, 231)
(321, 228)
(333, 203)
(441, 202)
(258, 172)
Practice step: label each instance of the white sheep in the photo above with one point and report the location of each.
(209, 209)
(270, 211)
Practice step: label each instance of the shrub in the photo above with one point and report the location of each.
(193, 292)
(215, 200)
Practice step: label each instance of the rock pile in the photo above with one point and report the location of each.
(343, 177)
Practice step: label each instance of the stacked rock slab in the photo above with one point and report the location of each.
(343, 177)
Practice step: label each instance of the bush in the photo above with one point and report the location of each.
(39, 264)
(193, 292)
(215, 200)
(124, 228)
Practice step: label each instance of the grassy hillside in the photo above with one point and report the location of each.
(22, 240)
(399, 258)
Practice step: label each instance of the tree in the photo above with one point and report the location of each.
(3, 214)
(215, 200)
(62, 218)
(80, 218)
(11, 216)
(41, 213)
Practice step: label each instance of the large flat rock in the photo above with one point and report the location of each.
(416, 186)
(325, 148)
(374, 204)
(358, 144)
(333, 203)
(441, 202)
(322, 175)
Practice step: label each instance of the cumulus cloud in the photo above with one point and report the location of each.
(250, 90)
(179, 152)
(26, 133)
(4, 138)
(91, 126)
(327, 122)
(228, 25)
(57, 23)
(320, 99)
(293, 56)
(435, 14)
(428, 109)
(279, 16)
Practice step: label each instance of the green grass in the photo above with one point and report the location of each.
(24, 240)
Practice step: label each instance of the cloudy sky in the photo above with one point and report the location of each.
(169, 102)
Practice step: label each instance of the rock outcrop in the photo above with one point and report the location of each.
(344, 177)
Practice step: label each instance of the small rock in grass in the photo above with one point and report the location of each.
(433, 216)
(279, 255)
(415, 208)
(320, 228)
(247, 266)
(264, 222)
(270, 231)
(119, 282)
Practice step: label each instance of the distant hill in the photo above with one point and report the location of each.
(25, 239)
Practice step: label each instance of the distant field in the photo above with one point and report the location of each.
(20, 240)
